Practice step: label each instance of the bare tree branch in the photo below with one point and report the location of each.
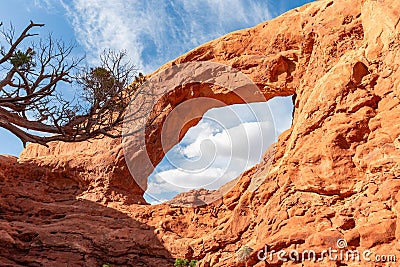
(30, 96)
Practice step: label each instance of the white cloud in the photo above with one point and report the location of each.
(165, 185)
(155, 31)
(218, 149)
(237, 131)
(246, 141)
(43, 4)
(153, 201)
(187, 180)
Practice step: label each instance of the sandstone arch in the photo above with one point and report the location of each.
(284, 56)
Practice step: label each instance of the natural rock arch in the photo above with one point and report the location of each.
(284, 56)
(177, 98)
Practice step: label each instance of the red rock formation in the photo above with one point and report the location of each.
(334, 173)
(43, 222)
(98, 166)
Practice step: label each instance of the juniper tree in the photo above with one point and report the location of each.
(33, 78)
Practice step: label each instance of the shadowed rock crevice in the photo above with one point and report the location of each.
(42, 223)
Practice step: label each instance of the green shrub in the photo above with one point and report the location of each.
(185, 263)
(21, 60)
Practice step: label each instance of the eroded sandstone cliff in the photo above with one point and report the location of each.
(334, 174)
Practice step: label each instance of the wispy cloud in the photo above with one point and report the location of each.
(44, 4)
(155, 31)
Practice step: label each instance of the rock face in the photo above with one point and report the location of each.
(334, 174)
(45, 222)
(98, 167)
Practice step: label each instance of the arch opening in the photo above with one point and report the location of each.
(176, 97)
(225, 142)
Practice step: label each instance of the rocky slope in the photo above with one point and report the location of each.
(334, 174)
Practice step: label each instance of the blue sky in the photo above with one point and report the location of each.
(153, 32)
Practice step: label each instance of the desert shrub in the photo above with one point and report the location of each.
(243, 253)
(185, 263)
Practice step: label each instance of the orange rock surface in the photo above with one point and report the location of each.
(334, 174)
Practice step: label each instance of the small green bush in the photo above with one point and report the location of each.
(184, 263)
(21, 60)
